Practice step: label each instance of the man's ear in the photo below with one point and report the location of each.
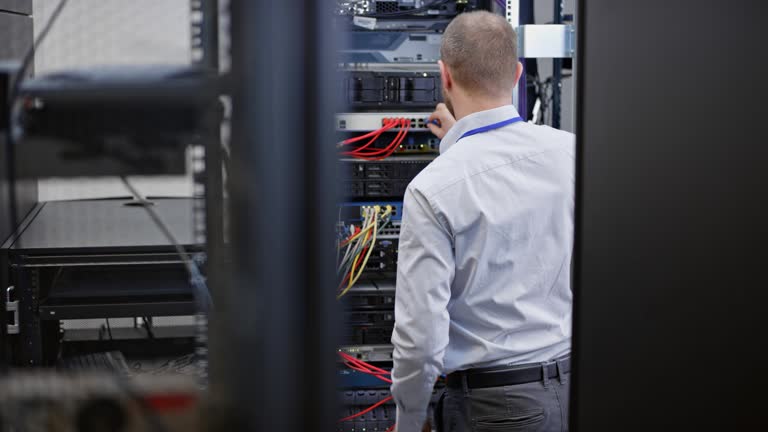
(518, 72)
(445, 76)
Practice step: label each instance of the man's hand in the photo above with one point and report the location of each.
(427, 427)
(444, 120)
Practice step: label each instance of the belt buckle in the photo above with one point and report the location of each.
(545, 371)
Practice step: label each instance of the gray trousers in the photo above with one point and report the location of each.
(538, 406)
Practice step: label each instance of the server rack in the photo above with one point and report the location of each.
(16, 32)
(92, 259)
(25, 259)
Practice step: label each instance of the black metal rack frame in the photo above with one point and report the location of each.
(44, 250)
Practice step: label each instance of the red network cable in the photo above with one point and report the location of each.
(363, 367)
(346, 242)
(367, 368)
(405, 125)
(374, 135)
(388, 124)
(363, 152)
(362, 364)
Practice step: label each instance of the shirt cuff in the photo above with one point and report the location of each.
(410, 422)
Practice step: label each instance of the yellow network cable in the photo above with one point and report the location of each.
(364, 229)
(356, 236)
(357, 259)
(354, 280)
(356, 247)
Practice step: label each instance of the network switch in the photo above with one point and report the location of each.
(369, 353)
(366, 122)
(391, 231)
(399, 90)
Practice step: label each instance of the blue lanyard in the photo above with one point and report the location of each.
(490, 127)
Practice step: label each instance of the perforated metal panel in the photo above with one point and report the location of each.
(113, 32)
(387, 6)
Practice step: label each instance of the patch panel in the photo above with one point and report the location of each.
(392, 231)
(380, 419)
(366, 122)
(352, 211)
(364, 397)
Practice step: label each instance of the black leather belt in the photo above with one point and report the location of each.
(509, 375)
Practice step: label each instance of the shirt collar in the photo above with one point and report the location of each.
(476, 120)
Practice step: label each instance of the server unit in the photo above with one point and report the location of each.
(390, 83)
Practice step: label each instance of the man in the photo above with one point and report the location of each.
(483, 285)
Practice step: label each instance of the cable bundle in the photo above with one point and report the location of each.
(366, 368)
(367, 153)
(359, 245)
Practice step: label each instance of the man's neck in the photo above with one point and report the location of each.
(465, 105)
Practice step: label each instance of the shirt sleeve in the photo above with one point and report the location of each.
(425, 272)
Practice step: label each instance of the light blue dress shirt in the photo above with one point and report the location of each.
(484, 267)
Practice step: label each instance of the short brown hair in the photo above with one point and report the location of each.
(480, 48)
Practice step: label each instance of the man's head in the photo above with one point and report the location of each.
(479, 59)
